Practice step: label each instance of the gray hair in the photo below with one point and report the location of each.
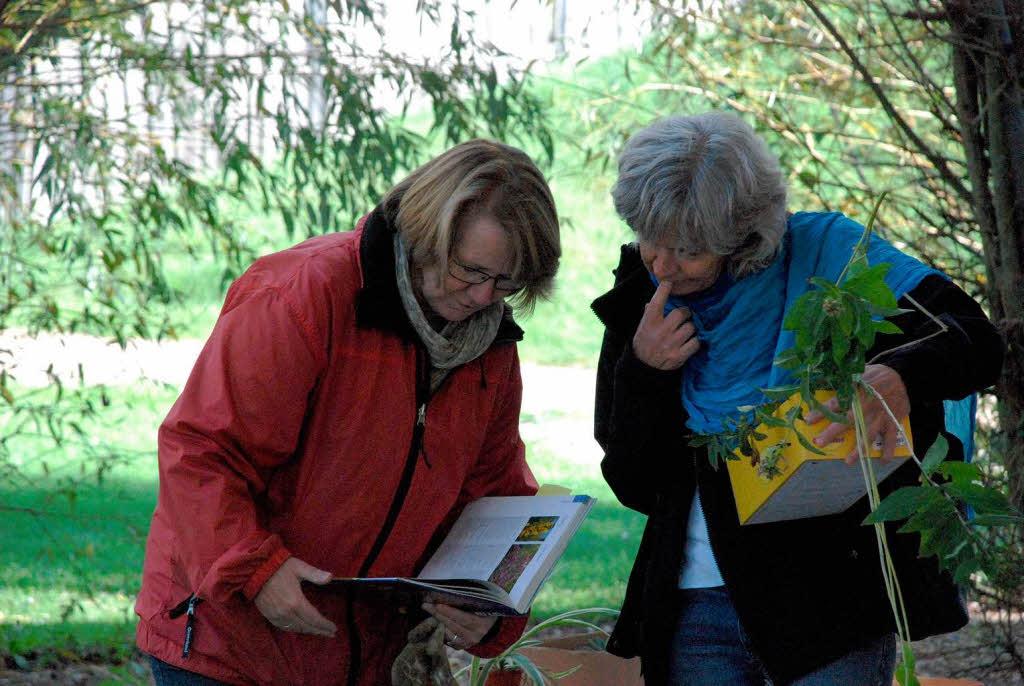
(705, 182)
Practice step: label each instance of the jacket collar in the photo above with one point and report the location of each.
(378, 304)
(621, 308)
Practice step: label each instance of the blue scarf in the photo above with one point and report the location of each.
(739, 322)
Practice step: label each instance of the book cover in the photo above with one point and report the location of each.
(494, 560)
(807, 484)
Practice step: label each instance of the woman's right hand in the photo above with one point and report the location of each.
(283, 603)
(665, 342)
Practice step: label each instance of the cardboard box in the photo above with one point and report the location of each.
(808, 485)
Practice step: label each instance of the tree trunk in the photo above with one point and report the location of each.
(987, 39)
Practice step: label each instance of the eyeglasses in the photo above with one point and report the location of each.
(477, 276)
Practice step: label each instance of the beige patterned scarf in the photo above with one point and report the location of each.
(458, 342)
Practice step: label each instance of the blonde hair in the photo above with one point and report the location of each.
(707, 183)
(432, 204)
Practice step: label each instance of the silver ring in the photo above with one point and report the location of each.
(455, 638)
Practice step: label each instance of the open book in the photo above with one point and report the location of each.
(494, 560)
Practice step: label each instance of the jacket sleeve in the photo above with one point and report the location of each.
(239, 417)
(638, 423)
(501, 470)
(937, 364)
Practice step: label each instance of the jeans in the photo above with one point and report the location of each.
(710, 648)
(168, 675)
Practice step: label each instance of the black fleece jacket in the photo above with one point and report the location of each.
(806, 591)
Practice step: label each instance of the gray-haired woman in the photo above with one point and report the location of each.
(693, 324)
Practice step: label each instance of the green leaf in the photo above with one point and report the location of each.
(902, 503)
(858, 265)
(798, 312)
(788, 359)
(829, 288)
(960, 472)
(935, 455)
(941, 538)
(830, 415)
(846, 319)
(807, 445)
(967, 565)
(932, 513)
(879, 311)
(775, 421)
(887, 327)
(47, 166)
(806, 331)
(529, 668)
(864, 329)
(870, 285)
(906, 673)
(780, 392)
(983, 498)
(840, 345)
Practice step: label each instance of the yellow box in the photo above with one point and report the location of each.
(809, 485)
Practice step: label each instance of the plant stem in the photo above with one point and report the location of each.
(862, 243)
(959, 515)
(892, 585)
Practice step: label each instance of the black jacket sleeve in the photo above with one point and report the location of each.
(637, 409)
(640, 431)
(937, 364)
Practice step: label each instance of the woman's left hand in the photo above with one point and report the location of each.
(463, 630)
(876, 419)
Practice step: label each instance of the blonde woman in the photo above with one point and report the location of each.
(357, 391)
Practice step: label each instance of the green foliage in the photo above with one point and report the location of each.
(127, 217)
(125, 234)
(936, 512)
(109, 189)
(835, 325)
(838, 145)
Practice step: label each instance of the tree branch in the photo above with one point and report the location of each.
(888, 106)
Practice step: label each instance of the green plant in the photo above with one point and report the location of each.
(478, 670)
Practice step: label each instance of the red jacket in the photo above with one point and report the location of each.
(290, 438)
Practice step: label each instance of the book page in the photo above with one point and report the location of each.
(509, 541)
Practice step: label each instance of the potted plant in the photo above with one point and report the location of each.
(515, 666)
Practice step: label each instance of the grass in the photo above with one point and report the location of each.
(72, 542)
(74, 531)
(595, 568)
